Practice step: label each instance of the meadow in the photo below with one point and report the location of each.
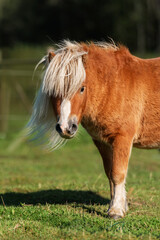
(65, 194)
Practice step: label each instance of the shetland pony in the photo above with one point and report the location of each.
(115, 96)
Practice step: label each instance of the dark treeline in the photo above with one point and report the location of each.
(135, 23)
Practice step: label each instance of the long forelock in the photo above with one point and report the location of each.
(63, 76)
(65, 73)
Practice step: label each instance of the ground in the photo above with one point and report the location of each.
(65, 194)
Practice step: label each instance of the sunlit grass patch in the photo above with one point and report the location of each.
(65, 194)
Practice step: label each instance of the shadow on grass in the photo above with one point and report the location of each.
(52, 197)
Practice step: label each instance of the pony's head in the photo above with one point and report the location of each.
(61, 100)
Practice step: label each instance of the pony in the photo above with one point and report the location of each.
(113, 94)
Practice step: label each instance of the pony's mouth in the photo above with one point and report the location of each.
(67, 136)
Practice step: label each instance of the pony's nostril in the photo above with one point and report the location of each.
(74, 127)
(58, 128)
(69, 132)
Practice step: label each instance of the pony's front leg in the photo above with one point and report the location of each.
(106, 152)
(121, 152)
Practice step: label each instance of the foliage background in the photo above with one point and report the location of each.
(135, 23)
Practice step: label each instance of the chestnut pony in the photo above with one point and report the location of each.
(115, 96)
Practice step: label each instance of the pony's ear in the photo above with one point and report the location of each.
(51, 54)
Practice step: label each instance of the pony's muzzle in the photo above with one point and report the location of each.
(69, 131)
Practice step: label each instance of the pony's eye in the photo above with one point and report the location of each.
(82, 90)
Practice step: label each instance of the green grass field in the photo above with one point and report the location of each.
(65, 194)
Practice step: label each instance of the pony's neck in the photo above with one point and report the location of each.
(101, 69)
(104, 77)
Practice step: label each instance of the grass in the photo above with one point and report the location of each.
(65, 194)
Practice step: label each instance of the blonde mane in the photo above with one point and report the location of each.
(65, 73)
(63, 76)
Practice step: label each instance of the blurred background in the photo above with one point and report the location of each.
(28, 28)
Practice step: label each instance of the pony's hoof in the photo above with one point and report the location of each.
(114, 216)
(116, 213)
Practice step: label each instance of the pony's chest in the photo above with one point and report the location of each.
(95, 130)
